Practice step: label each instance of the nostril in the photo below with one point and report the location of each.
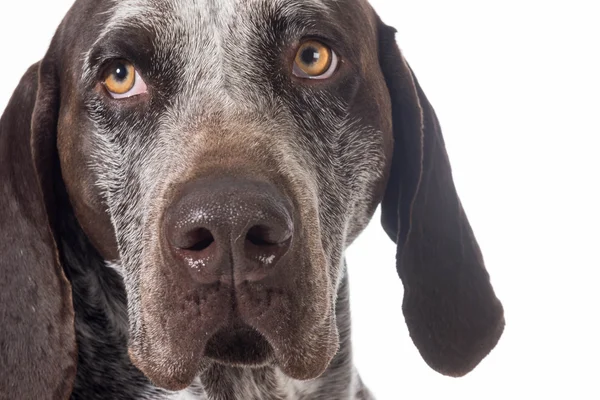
(264, 236)
(198, 240)
(260, 236)
(264, 247)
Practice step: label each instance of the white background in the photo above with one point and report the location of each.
(516, 86)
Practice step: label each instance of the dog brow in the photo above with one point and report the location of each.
(161, 16)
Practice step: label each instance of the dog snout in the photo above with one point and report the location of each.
(229, 228)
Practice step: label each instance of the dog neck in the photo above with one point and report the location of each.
(104, 367)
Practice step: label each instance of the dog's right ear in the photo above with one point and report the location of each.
(38, 355)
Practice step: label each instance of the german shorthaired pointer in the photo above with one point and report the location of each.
(180, 179)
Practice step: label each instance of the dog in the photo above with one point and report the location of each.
(180, 180)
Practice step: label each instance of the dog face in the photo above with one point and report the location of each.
(224, 154)
(223, 118)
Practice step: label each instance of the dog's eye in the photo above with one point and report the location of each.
(122, 80)
(315, 60)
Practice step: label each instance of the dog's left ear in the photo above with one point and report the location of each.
(452, 313)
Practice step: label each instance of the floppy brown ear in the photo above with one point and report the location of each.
(452, 313)
(38, 354)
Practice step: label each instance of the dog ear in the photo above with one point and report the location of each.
(452, 313)
(38, 355)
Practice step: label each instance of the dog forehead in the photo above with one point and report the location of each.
(206, 11)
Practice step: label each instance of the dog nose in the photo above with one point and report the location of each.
(228, 227)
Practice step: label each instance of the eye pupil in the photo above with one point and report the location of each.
(310, 56)
(121, 73)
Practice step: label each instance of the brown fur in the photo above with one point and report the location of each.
(367, 137)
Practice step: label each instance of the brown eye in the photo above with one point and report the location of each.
(315, 60)
(122, 80)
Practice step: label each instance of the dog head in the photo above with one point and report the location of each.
(224, 155)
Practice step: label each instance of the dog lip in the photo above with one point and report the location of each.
(240, 339)
(173, 382)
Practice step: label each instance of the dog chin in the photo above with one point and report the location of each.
(239, 346)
